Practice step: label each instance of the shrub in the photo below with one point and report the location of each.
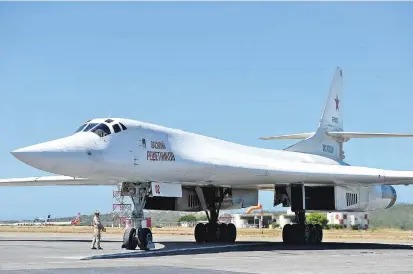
(202, 218)
(188, 218)
(317, 218)
(275, 225)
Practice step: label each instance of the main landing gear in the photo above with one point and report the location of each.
(214, 231)
(137, 236)
(302, 233)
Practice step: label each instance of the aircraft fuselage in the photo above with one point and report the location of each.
(147, 152)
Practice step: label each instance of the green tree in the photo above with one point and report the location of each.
(188, 218)
(317, 218)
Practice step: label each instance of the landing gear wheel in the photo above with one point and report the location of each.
(136, 235)
(223, 232)
(211, 232)
(298, 234)
(211, 199)
(231, 232)
(313, 234)
(302, 234)
(145, 238)
(129, 239)
(319, 234)
(294, 234)
(200, 233)
(307, 234)
(287, 233)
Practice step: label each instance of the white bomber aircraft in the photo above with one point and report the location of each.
(169, 169)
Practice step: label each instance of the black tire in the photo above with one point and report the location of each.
(211, 232)
(223, 232)
(313, 234)
(144, 236)
(231, 233)
(287, 233)
(199, 233)
(298, 234)
(319, 230)
(307, 234)
(129, 239)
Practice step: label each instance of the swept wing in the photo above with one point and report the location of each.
(53, 181)
(239, 174)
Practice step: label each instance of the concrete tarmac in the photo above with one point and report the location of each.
(71, 253)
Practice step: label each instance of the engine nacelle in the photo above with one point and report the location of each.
(335, 198)
(365, 198)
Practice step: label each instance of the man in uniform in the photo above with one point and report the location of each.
(97, 228)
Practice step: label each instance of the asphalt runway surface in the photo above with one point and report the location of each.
(71, 253)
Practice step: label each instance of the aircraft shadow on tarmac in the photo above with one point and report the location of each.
(185, 248)
(58, 240)
(244, 245)
(188, 248)
(270, 246)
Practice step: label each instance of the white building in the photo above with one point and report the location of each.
(233, 218)
(349, 219)
(249, 220)
(287, 218)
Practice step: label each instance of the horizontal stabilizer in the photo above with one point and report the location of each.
(339, 134)
(289, 136)
(349, 135)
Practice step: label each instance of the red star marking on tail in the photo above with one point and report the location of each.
(337, 103)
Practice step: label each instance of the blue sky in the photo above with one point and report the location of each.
(235, 71)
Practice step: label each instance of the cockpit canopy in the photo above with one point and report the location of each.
(106, 128)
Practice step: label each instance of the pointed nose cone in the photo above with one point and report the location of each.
(66, 156)
(39, 153)
(26, 157)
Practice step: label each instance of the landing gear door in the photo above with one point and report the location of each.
(166, 189)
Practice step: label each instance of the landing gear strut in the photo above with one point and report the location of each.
(214, 231)
(301, 232)
(137, 236)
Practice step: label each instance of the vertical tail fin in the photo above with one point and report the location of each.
(76, 220)
(320, 143)
(328, 140)
(331, 119)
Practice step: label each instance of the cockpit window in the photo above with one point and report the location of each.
(116, 128)
(80, 128)
(123, 126)
(101, 130)
(90, 126)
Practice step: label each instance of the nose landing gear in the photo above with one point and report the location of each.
(137, 236)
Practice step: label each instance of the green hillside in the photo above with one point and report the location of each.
(399, 216)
